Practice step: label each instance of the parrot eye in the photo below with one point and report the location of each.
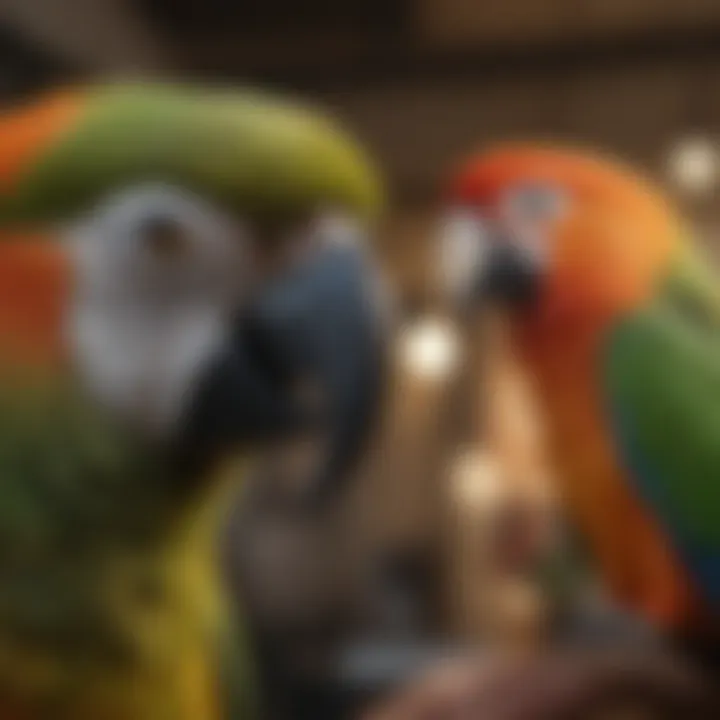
(534, 203)
(150, 243)
(164, 238)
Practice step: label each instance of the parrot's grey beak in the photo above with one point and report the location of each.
(307, 355)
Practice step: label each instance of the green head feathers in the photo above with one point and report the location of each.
(250, 152)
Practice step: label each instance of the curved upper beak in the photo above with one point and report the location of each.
(308, 354)
(480, 264)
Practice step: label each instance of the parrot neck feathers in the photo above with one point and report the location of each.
(34, 289)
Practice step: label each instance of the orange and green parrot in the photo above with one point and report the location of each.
(615, 316)
(175, 264)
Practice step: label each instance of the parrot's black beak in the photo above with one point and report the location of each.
(307, 356)
(480, 263)
(510, 277)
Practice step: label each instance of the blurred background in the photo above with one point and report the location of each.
(446, 532)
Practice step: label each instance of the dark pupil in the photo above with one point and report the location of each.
(163, 237)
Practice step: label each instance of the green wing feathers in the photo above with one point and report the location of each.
(662, 383)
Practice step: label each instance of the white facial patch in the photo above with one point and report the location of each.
(147, 320)
(463, 246)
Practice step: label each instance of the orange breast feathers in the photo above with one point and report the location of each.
(632, 554)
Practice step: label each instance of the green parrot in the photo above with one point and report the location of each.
(176, 263)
